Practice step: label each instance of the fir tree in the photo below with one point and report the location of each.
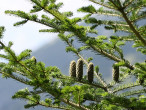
(70, 93)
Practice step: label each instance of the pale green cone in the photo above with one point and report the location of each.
(90, 72)
(79, 69)
(72, 69)
(34, 60)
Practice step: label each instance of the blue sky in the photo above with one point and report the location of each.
(27, 36)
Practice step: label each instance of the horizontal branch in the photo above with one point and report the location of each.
(99, 3)
(22, 80)
(52, 106)
(83, 82)
(74, 104)
(129, 93)
(133, 28)
(96, 74)
(125, 86)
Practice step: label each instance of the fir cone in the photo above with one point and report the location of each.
(34, 60)
(90, 72)
(116, 73)
(79, 69)
(72, 69)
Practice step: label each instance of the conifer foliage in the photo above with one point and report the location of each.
(80, 90)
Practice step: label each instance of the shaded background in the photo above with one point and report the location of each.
(47, 48)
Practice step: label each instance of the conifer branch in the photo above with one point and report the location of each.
(139, 18)
(133, 28)
(45, 24)
(121, 9)
(102, 52)
(68, 101)
(116, 5)
(52, 106)
(115, 23)
(96, 74)
(126, 5)
(22, 80)
(63, 89)
(127, 11)
(119, 3)
(129, 93)
(55, 13)
(112, 57)
(125, 86)
(14, 57)
(74, 104)
(102, 4)
(84, 82)
(61, 18)
(108, 13)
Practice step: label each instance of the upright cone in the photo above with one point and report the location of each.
(79, 69)
(34, 59)
(116, 73)
(72, 69)
(90, 72)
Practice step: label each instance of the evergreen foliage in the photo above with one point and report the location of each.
(80, 92)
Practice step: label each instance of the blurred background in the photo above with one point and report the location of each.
(46, 47)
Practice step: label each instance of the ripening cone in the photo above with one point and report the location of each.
(79, 69)
(116, 73)
(90, 72)
(72, 69)
(34, 59)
